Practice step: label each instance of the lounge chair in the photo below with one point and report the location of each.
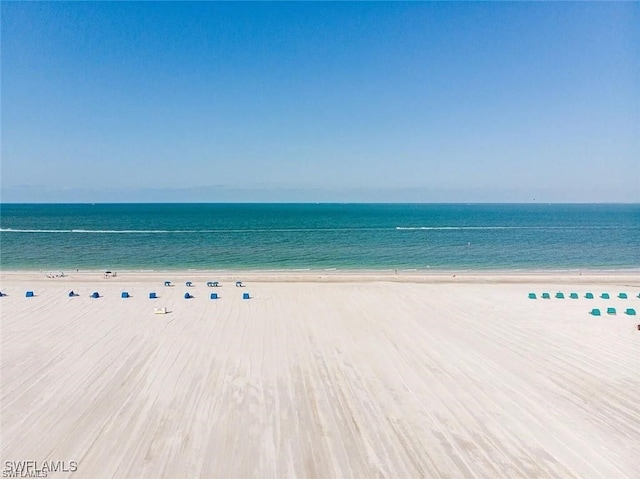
(595, 312)
(589, 295)
(622, 295)
(630, 312)
(604, 295)
(611, 310)
(560, 295)
(532, 296)
(546, 296)
(573, 295)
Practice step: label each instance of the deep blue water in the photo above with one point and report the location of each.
(319, 236)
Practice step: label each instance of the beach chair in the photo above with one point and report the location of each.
(71, 294)
(604, 295)
(239, 284)
(622, 295)
(124, 294)
(189, 284)
(611, 310)
(595, 312)
(560, 295)
(630, 312)
(29, 294)
(638, 296)
(95, 294)
(2, 294)
(187, 296)
(589, 295)
(210, 284)
(152, 296)
(573, 295)
(167, 283)
(532, 296)
(214, 295)
(159, 310)
(245, 295)
(545, 296)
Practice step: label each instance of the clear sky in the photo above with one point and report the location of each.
(425, 102)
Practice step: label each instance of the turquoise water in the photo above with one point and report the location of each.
(319, 236)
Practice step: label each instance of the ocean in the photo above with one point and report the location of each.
(320, 236)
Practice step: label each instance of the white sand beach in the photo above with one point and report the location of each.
(321, 374)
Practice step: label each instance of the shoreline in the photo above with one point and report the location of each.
(334, 275)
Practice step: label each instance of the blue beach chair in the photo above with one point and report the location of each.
(214, 295)
(187, 296)
(622, 295)
(604, 295)
(573, 295)
(95, 294)
(245, 295)
(589, 295)
(532, 296)
(152, 296)
(124, 294)
(29, 294)
(611, 310)
(595, 312)
(560, 295)
(630, 312)
(546, 296)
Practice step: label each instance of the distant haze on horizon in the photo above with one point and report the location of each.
(320, 102)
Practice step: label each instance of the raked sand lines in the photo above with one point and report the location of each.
(320, 379)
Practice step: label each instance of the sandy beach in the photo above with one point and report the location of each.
(321, 374)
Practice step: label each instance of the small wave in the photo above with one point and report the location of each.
(254, 230)
(435, 228)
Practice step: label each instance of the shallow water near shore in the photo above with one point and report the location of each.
(320, 236)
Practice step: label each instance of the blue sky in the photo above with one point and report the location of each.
(425, 102)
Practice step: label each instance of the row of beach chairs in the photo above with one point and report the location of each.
(560, 295)
(210, 284)
(612, 311)
(125, 294)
